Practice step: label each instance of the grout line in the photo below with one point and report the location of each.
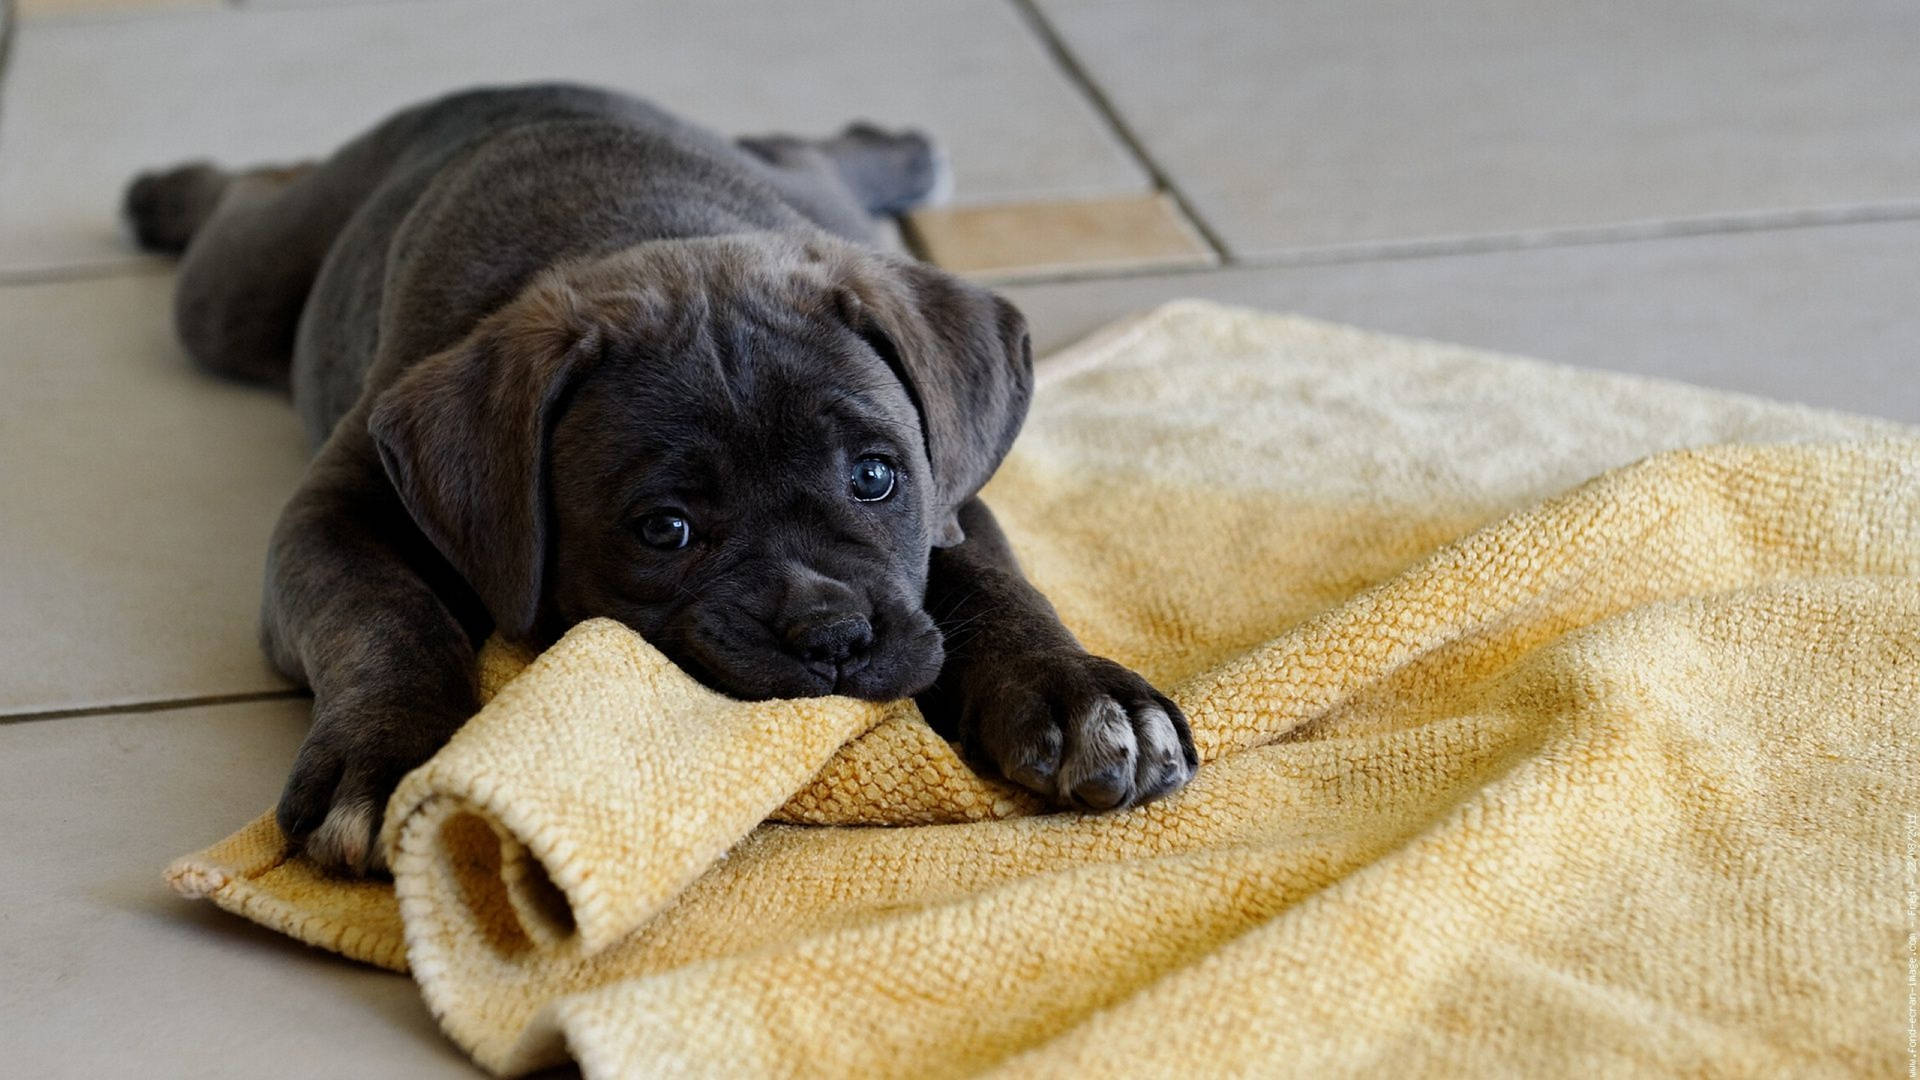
(1497, 243)
(1056, 46)
(1335, 255)
(9, 23)
(9, 30)
(154, 706)
(1015, 279)
(1589, 235)
(52, 275)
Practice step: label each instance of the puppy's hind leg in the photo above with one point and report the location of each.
(252, 247)
(879, 172)
(166, 208)
(891, 171)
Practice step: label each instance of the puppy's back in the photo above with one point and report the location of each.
(456, 203)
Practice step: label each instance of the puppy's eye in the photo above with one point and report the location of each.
(872, 479)
(665, 530)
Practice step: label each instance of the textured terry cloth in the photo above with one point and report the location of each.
(1505, 772)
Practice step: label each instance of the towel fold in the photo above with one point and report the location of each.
(1504, 772)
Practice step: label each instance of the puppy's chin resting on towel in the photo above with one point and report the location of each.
(1527, 753)
(761, 505)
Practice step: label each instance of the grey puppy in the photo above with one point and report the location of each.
(565, 356)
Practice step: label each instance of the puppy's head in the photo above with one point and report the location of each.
(742, 447)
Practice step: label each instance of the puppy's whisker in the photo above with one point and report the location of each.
(957, 633)
(954, 604)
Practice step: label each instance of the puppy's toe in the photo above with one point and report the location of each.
(334, 802)
(1165, 761)
(1102, 751)
(1035, 763)
(347, 841)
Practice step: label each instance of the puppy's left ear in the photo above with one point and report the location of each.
(965, 358)
(463, 437)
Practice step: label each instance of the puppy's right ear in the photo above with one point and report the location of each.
(463, 437)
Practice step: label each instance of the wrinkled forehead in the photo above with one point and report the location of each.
(738, 390)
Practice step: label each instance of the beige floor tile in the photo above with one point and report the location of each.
(104, 973)
(1819, 315)
(91, 102)
(1331, 123)
(1033, 239)
(138, 495)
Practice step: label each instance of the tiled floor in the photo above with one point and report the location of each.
(90, 101)
(105, 974)
(139, 497)
(1723, 193)
(1826, 316)
(1378, 125)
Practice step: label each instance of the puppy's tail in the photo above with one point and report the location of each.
(167, 208)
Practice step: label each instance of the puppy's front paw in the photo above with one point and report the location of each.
(336, 798)
(1079, 730)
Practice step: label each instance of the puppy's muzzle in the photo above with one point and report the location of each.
(832, 644)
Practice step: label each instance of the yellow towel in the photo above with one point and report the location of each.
(1505, 773)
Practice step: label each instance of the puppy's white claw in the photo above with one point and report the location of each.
(1101, 752)
(1162, 762)
(345, 840)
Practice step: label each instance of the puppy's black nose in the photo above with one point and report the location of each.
(833, 638)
